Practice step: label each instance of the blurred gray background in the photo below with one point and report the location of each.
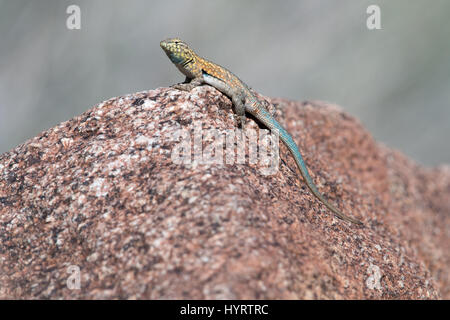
(395, 80)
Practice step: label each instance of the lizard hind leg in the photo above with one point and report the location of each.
(239, 106)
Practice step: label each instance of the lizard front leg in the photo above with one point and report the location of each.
(189, 84)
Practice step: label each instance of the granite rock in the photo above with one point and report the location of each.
(100, 207)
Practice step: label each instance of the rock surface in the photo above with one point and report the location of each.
(102, 194)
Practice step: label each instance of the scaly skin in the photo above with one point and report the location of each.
(198, 71)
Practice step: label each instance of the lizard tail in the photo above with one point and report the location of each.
(292, 146)
(265, 117)
(309, 182)
(316, 192)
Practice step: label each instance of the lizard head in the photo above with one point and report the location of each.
(182, 56)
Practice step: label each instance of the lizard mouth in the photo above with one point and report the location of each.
(163, 44)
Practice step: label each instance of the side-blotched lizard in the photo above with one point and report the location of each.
(199, 71)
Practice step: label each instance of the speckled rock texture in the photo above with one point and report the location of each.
(101, 194)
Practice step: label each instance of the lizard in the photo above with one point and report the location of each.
(199, 71)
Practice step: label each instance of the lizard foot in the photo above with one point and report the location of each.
(183, 86)
(240, 121)
(189, 84)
